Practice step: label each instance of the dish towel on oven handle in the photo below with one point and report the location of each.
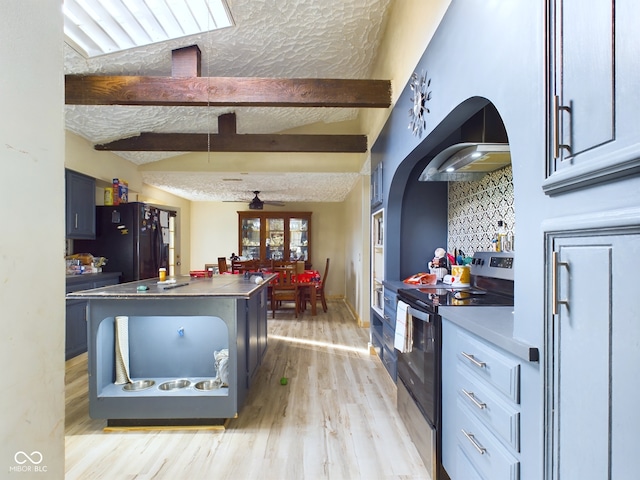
(404, 329)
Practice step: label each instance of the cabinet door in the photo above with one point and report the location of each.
(250, 237)
(262, 325)
(593, 100)
(277, 236)
(80, 206)
(275, 239)
(592, 356)
(75, 328)
(298, 239)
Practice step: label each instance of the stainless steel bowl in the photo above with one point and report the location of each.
(207, 385)
(138, 385)
(174, 384)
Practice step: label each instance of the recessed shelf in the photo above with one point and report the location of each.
(113, 390)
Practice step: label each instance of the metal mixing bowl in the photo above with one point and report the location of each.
(207, 385)
(138, 385)
(174, 384)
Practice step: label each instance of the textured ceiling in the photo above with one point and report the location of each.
(282, 39)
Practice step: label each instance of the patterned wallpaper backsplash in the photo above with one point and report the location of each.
(476, 207)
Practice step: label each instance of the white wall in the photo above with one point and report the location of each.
(357, 250)
(32, 245)
(214, 233)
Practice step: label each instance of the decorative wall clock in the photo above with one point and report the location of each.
(421, 95)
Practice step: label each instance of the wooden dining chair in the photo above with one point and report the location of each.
(321, 284)
(222, 265)
(319, 290)
(284, 289)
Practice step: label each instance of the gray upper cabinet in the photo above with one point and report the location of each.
(593, 101)
(80, 205)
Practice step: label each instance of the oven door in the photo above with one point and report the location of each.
(419, 369)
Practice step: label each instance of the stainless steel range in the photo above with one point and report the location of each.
(420, 367)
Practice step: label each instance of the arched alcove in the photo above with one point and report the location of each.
(424, 215)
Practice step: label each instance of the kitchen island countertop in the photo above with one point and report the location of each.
(237, 286)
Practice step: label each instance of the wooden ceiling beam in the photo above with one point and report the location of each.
(202, 142)
(226, 91)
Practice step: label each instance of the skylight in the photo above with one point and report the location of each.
(98, 27)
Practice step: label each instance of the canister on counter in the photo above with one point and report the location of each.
(162, 273)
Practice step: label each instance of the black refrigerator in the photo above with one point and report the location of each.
(133, 237)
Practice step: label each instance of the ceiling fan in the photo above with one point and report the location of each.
(257, 204)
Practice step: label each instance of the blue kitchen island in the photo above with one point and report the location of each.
(168, 340)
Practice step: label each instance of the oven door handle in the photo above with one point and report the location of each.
(419, 314)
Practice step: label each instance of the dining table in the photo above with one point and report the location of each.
(308, 279)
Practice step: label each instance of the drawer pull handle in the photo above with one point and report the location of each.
(472, 359)
(472, 397)
(474, 442)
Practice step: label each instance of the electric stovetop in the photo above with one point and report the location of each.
(492, 283)
(444, 295)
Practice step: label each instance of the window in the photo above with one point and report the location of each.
(98, 27)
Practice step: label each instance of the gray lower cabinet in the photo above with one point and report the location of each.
(75, 328)
(76, 310)
(256, 333)
(383, 328)
(592, 354)
(593, 99)
(481, 408)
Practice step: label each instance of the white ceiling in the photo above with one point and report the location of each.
(282, 39)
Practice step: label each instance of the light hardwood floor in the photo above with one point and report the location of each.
(335, 419)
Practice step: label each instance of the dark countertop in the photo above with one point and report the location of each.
(217, 286)
(494, 324)
(395, 285)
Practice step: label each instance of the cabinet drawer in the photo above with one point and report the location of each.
(483, 449)
(390, 362)
(390, 299)
(464, 469)
(376, 343)
(390, 304)
(388, 336)
(76, 287)
(481, 401)
(495, 367)
(105, 283)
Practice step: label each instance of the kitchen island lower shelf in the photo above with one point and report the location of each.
(171, 336)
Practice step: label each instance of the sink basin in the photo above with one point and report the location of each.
(174, 384)
(138, 385)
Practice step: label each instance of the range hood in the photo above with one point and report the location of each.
(483, 148)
